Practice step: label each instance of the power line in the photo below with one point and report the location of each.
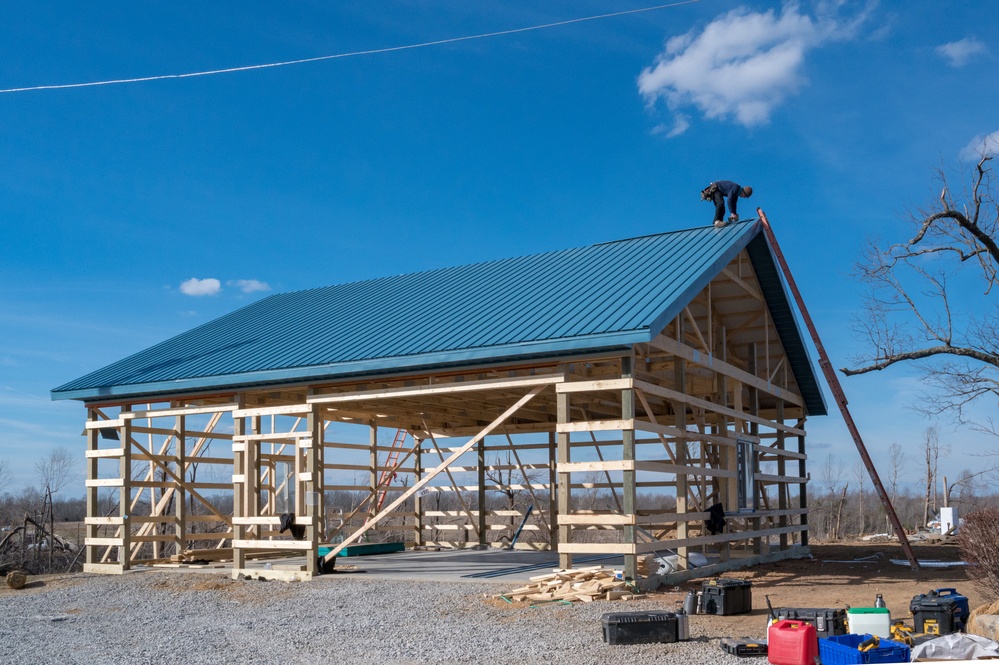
(336, 56)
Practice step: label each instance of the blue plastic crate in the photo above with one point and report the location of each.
(842, 650)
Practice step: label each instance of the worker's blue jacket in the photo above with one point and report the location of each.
(730, 191)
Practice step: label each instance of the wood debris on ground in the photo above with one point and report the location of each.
(576, 584)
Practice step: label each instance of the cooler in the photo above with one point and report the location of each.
(726, 596)
(869, 620)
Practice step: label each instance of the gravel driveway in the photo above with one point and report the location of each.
(158, 617)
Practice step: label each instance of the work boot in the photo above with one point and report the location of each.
(719, 223)
(733, 218)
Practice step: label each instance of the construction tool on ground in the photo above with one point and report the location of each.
(516, 535)
(770, 609)
(837, 390)
(902, 634)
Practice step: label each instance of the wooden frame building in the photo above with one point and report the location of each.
(605, 400)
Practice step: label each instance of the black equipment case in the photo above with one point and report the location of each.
(640, 627)
(725, 596)
(936, 615)
(826, 621)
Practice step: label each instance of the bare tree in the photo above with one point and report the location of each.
(912, 313)
(931, 455)
(965, 488)
(55, 469)
(897, 462)
(860, 471)
(832, 475)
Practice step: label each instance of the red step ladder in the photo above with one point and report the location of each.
(388, 472)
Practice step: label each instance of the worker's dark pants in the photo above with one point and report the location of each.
(719, 200)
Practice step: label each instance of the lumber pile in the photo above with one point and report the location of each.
(574, 584)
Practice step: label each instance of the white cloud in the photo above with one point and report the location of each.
(249, 285)
(681, 123)
(743, 64)
(980, 146)
(200, 287)
(957, 54)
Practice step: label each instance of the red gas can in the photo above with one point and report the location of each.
(792, 642)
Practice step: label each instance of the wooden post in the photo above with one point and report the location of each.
(252, 486)
(803, 487)
(238, 487)
(553, 492)
(682, 454)
(564, 491)
(180, 488)
(125, 498)
(372, 469)
(313, 487)
(782, 493)
(754, 428)
(93, 495)
(726, 454)
(481, 449)
(628, 484)
(417, 499)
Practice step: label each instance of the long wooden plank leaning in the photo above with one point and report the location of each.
(431, 475)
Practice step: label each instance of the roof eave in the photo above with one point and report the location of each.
(587, 343)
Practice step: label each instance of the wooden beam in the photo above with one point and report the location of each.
(439, 389)
(713, 363)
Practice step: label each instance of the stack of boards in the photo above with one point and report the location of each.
(574, 584)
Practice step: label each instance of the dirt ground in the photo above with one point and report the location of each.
(823, 582)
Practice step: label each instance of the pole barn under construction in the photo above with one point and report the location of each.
(638, 396)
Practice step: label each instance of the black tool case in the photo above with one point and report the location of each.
(936, 615)
(640, 627)
(743, 648)
(726, 596)
(826, 621)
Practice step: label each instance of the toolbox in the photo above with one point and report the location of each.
(727, 596)
(743, 648)
(640, 627)
(964, 611)
(935, 614)
(842, 650)
(826, 621)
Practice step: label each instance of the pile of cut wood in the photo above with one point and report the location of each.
(574, 584)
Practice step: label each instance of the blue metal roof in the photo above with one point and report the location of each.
(590, 298)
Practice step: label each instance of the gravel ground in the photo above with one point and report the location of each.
(156, 617)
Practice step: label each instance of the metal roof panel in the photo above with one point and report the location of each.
(602, 296)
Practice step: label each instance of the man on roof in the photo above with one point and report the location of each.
(721, 190)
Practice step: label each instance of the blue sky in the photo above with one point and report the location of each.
(132, 212)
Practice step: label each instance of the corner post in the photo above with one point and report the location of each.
(629, 487)
(564, 481)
